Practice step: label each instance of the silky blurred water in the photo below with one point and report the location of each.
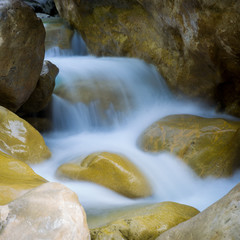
(80, 129)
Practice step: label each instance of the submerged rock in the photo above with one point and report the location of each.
(194, 44)
(208, 146)
(146, 222)
(51, 211)
(20, 139)
(219, 221)
(41, 95)
(110, 170)
(16, 178)
(21, 53)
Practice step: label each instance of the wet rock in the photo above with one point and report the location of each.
(194, 44)
(21, 52)
(208, 146)
(51, 211)
(219, 221)
(19, 139)
(146, 222)
(110, 170)
(16, 178)
(41, 95)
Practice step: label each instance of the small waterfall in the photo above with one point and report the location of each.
(104, 104)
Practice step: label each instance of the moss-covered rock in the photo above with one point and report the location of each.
(208, 146)
(19, 139)
(16, 178)
(110, 170)
(146, 222)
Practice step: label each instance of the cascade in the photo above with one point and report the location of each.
(104, 104)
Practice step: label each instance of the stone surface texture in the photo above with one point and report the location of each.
(145, 222)
(19, 139)
(194, 43)
(16, 178)
(42, 94)
(21, 52)
(110, 170)
(50, 211)
(219, 221)
(210, 146)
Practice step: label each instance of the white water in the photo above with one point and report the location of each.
(79, 130)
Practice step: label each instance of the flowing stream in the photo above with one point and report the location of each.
(138, 96)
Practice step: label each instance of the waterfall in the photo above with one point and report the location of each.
(104, 104)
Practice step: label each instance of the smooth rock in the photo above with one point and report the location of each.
(146, 222)
(42, 94)
(219, 221)
(194, 44)
(110, 170)
(208, 146)
(21, 53)
(50, 211)
(19, 139)
(16, 178)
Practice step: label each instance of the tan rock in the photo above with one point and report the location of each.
(41, 95)
(208, 146)
(21, 52)
(51, 211)
(145, 222)
(16, 178)
(219, 221)
(194, 44)
(110, 170)
(19, 139)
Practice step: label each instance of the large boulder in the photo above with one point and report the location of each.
(50, 211)
(110, 170)
(21, 52)
(219, 221)
(42, 94)
(146, 222)
(16, 178)
(19, 139)
(194, 44)
(208, 146)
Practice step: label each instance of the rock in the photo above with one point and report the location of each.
(219, 221)
(58, 33)
(42, 6)
(21, 53)
(41, 124)
(16, 178)
(19, 139)
(194, 44)
(110, 170)
(145, 222)
(208, 146)
(50, 211)
(41, 95)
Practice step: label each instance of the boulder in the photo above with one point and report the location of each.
(208, 146)
(22, 37)
(219, 221)
(16, 178)
(146, 222)
(194, 44)
(19, 139)
(50, 211)
(42, 94)
(110, 170)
